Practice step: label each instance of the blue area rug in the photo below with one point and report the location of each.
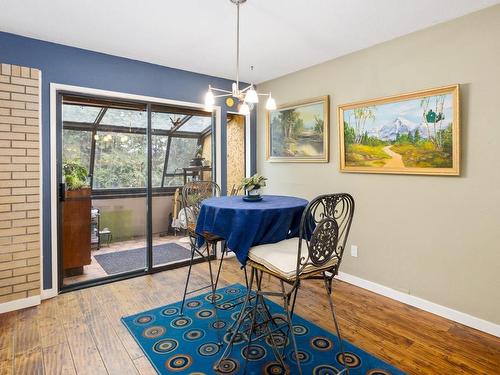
(188, 344)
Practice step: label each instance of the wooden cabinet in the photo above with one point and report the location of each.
(76, 231)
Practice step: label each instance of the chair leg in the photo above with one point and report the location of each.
(252, 323)
(187, 280)
(214, 288)
(220, 263)
(290, 326)
(328, 287)
(241, 317)
(269, 318)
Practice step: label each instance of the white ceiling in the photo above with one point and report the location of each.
(277, 36)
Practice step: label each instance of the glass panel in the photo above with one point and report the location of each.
(181, 152)
(158, 149)
(197, 124)
(160, 120)
(80, 113)
(120, 161)
(125, 117)
(76, 147)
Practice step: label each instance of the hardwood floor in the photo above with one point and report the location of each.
(81, 333)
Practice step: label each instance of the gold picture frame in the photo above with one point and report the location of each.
(414, 133)
(307, 139)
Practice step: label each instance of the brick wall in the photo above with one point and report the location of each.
(19, 183)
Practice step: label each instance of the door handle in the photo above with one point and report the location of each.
(62, 191)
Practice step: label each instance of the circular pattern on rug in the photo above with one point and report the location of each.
(232, 290)
(193, 334)
(280, 340)
(325, 370)
(228, 366)
(279, 319)
(300, 330)
(235, 315)
(378, 371)
(240, 337)
(218, 324)
(227, 306)
(274, 368)
(181, 322)
(208, 349)
(321, 343)
(154, 332)
(170, 311)
(254, 352)
(205, 314)
(165, 346)
(352, 359)
(179, 362)
(144, 319)
(213, 298)
(304, 357)
(193, 304)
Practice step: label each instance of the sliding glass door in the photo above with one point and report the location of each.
(121, 167)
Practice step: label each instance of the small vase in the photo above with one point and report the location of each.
(254, 193)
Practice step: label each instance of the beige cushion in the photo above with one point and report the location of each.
(281, 258)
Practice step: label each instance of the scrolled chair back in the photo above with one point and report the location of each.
(324, 229)
(193, 193)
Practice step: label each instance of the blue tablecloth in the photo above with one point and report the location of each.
(246, 224)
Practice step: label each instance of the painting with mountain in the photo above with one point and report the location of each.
(298, 132)
(414, 133)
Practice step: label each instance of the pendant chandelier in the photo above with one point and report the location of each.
(247, 96)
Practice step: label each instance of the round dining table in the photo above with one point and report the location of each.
(244, 224)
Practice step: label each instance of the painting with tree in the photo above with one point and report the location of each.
(298, 132)
(415, 133)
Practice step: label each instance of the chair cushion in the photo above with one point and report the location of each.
(281, 258)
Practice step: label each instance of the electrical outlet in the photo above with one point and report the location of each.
(354, 251)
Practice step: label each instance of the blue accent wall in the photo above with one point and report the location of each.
(79, 67)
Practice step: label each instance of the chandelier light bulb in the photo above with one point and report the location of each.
(251, 96)
(244, 109)
(209, 98)
(270, 103)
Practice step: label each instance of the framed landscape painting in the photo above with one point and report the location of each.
(415, 133)
(298, 132)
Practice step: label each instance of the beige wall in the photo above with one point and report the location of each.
(433, 237)
(134, 214)
(19, 183)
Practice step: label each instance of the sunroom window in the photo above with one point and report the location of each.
(110, 140)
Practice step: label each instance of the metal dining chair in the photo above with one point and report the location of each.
(193, 193)
(315, 254)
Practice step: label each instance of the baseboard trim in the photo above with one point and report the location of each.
(434, 308)
(19, 304)
(48, 293)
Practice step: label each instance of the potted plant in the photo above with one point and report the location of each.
(75, 175)
(252, 186)
(197, 160)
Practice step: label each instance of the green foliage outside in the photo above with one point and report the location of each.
(121, 159)
(75, 175)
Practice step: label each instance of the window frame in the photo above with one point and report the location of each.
(174, 132)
